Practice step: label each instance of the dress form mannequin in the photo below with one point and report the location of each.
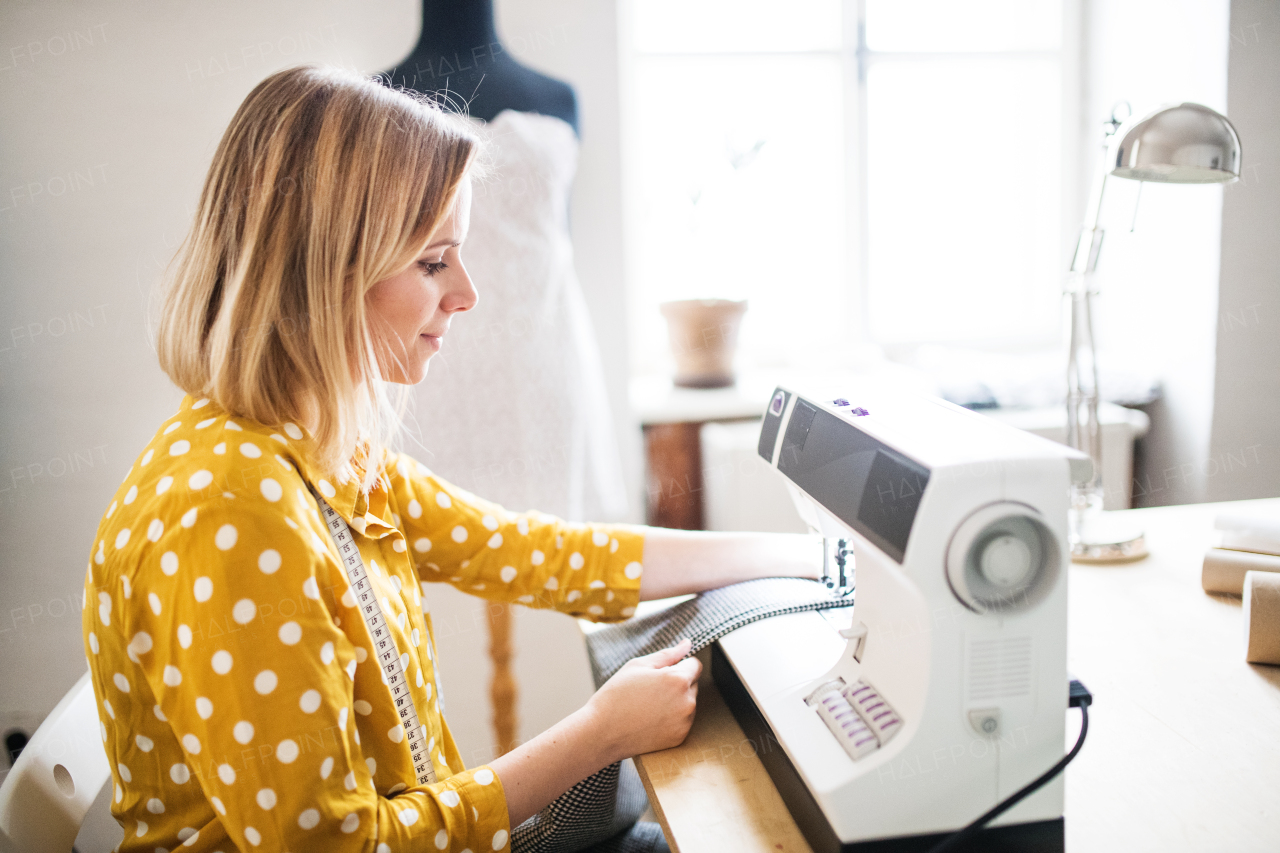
(459, 53)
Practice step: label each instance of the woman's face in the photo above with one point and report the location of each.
(410, 312)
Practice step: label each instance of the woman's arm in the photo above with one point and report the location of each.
(677, 562)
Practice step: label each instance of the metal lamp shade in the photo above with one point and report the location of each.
(1186, 144)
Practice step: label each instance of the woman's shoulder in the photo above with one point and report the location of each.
(205, 474)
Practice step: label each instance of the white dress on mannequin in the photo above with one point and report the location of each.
(514, 408)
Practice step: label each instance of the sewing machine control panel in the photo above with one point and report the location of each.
(861, 719)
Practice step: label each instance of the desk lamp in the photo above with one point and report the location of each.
(1185, 144)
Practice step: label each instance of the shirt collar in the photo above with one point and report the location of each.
(366, 513)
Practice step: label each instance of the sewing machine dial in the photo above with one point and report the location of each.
(1002, 558)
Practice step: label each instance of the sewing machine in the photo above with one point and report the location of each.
(891, 723)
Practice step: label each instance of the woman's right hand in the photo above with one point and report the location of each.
(648, 705)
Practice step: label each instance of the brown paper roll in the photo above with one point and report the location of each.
(1262, 617)
(1224, 570)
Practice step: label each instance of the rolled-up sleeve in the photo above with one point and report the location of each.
(587, 570)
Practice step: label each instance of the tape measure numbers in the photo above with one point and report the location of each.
(384, 645)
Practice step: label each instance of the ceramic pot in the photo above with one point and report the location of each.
(704, 338)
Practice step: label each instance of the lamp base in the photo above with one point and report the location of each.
(1101, 537)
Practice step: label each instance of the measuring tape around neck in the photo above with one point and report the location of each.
(384, 646)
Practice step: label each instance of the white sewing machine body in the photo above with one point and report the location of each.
(954, 658)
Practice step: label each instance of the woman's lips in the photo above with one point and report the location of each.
(433, 341)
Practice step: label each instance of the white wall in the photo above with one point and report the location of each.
(1244, 460)
(111, 114)
(1159, 283)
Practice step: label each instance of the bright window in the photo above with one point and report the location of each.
(883, 170)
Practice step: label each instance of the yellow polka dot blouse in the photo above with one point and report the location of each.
(240, 701)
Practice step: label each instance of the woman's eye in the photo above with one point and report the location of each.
(432, 267)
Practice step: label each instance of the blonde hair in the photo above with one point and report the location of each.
(324, 184)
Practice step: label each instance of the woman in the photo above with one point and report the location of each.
(245, 701)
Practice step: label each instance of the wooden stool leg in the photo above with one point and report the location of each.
(502, 690)
(674, 454)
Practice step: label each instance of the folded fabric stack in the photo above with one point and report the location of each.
(1246, 562)
(1245, 544)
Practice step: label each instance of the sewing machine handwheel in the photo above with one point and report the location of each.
(1002, 558)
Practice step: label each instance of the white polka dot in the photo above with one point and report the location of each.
(139, 645)
(326, 767)
(111, 712)
(349, 781)
(121, 682)
(396, 733)
(220, 448)
(191, 744)
(124, 773)
(552, 583)
(422, 544)
(131, 495)
(243, 731)
(442, 839)
(172, 676)
(204, 707)
(169, 563)
(450, 798)
(244, 611)
(310, 701)
(179, 447)
(184, 636)
(599, 538)
(269, 561)
(292, 431)
(596, 584)
(171, 427)
(93, 642)
(326, 488)
(250, 450)
(415, 508)
(252, 836)
(266, 799)
(575, 561)
(144, 743)
(104, 608)
(202, 588)
(595, 610)
(311, 589)
(142, 828)
(271, 490)
(200, 480)
(351, 670)
(189, 517)
(361, 654)
(155, 530)
(483, 776)
(227, 774)
(499, 839)
(101, 556)
(418, 678)
(459, 534)
(522, 524)
(201, 403)
(633, 570)
(155, 709)
(326, 653)
(613, 546)
(265, 682)
(222, 662)
(443, 500)
(287, 751)
(408, 816)
(495, 541)
(122, 538)
(154, 601)
(372, 764)
(350, 823)
(537, 557)
(226, 537)
(363, 708)
(232, 425)
(155, 806)
(218, 806)
(349, 598)
(628, 611)
(205, 423)
(290, 633)
(574, 595)
(146, 457)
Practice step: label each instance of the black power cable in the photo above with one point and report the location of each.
(1080, 698)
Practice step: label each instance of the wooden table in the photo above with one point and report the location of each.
(1183, 751)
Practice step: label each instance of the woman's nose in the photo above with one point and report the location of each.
(461, 294)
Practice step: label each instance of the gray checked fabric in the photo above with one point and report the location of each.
(600, 812)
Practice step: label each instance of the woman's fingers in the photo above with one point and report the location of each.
(690, 668)
(667, 657)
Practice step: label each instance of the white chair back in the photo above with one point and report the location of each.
(60, 772)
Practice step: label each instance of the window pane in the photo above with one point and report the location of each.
(736, 181)
(974, 25)
(713, 26)
(964, 165)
